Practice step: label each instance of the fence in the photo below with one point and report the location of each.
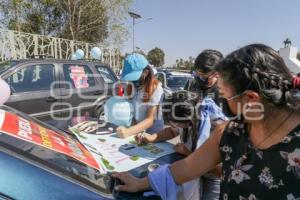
(20, 45)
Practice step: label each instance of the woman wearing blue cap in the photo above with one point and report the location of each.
(147, 96)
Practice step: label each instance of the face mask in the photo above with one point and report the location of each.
(228, 112)
(5, 92)
(201, 82)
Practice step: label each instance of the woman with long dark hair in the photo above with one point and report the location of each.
(260, 150)
(147, 94)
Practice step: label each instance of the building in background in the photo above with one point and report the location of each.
(289, 55)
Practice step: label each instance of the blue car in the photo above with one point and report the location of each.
(30, 171)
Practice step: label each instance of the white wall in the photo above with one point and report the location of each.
(289, 55)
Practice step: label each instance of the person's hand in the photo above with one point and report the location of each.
(182, 149)
(122, 132)
(130, 183)
(217, 171)
(144, 138)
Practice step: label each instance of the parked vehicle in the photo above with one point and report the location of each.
(32, 171)
(61, 88)
(39, 161)
(177, 80)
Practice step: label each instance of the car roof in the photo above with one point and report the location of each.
(46, 60)
(19, 62)
(176, 73)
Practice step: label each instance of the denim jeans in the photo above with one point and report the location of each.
(209, 187)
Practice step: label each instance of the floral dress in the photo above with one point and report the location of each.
(272, 173)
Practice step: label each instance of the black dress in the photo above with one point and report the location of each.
(272, 173)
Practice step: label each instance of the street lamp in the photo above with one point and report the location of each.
(134, 17)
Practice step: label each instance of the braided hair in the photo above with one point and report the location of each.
(259, 68)
(181, 106)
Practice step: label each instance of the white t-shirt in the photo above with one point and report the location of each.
(141, 108)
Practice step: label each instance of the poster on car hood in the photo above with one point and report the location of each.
(118, 154)
(23, 129)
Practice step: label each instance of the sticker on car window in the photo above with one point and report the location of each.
(32, 132)
(79, 77)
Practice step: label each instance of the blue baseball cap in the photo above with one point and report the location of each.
(134, 65)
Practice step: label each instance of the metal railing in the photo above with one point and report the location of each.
(20, 45)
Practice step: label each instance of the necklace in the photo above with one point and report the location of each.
(245, 155)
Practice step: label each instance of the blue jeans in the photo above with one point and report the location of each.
(209, 187)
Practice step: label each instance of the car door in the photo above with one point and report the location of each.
(80, 89)
(31, 90)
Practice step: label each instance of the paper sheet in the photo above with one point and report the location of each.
(116, 154)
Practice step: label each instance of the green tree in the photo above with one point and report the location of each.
(32, 16)
(156, 57)
(185, 64)
(85, 20)
(13, 13)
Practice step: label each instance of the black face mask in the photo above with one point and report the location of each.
(201, 83)
(228, 112)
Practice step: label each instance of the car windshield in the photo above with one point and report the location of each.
(51, 149)
(6, 65)
(177, 81)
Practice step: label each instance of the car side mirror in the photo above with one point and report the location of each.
(161, 76)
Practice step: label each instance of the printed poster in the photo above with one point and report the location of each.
(117, 154)
(79, 77)
(18, 127)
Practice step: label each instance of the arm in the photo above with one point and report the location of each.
(217, 171)
(195, 165)
(201, 161)
(182, 149)
(153, 104)
(139, 127)
(163, 135)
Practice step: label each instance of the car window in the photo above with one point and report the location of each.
(177, 81)
(6, 65)
(32, 78)
(50, 148)
(106, 74)
(80, 76)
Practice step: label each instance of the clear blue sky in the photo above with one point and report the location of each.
(184, 28)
